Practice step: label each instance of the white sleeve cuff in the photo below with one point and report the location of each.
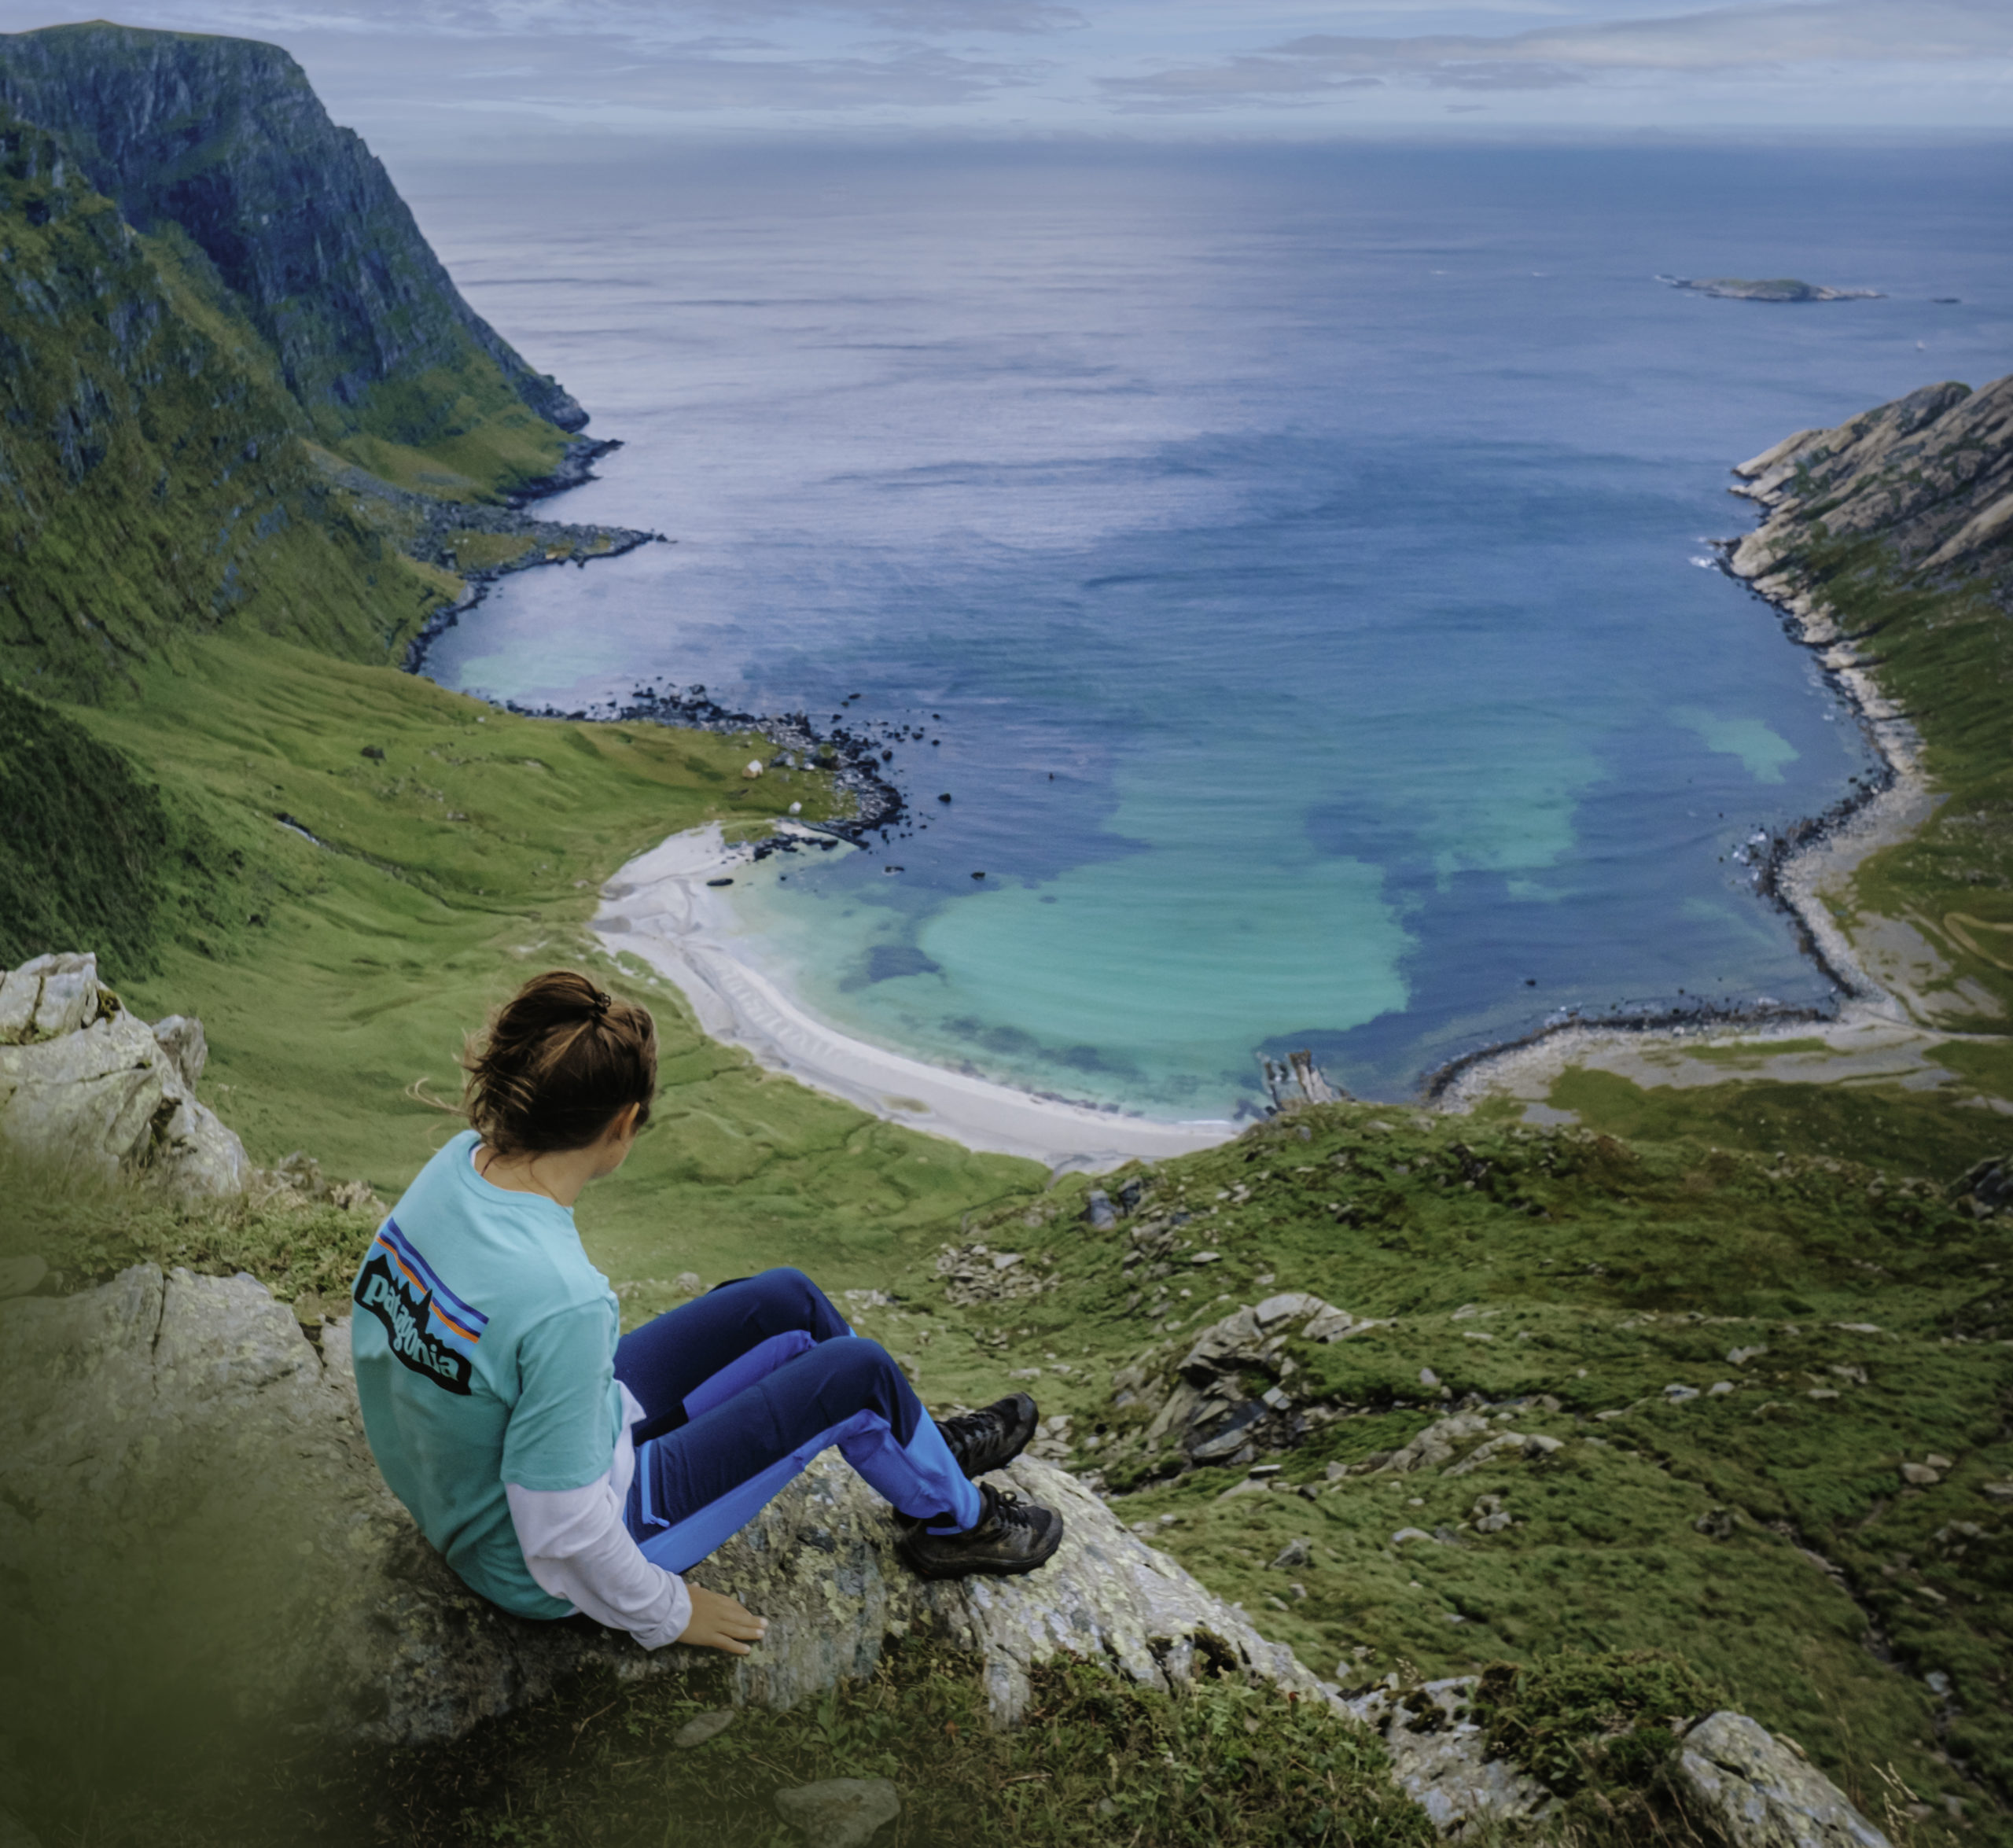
(578, 1549)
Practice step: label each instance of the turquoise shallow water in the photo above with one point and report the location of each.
(1293, 564)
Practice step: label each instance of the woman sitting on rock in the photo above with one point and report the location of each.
(559, 1469)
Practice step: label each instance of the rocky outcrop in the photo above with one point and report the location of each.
(1930, 475)
(1751, 1789)
(1781, 289)
(975, 1273)
(1228, 1397)
(1760, 1792)
(225, 139)
(189, 1484)
(82, 1083)
(1441, 1761)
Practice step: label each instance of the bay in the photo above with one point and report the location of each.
(1292, 562)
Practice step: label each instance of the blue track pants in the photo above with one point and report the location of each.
(741, 1390)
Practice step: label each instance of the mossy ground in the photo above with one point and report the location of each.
(1884, 1125)
(1098, 1762)
(1565, 1289)
(1762, 1535)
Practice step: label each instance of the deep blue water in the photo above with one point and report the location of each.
(1303, 551)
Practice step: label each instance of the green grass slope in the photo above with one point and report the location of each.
(1947, 658)
(153, 484)
(223, 141)
(332, 972)
(1558, 1281)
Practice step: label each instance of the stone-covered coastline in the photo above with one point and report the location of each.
(1929, 477)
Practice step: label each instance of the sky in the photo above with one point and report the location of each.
(465, 72)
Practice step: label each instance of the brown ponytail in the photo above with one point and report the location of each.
(561, 1057)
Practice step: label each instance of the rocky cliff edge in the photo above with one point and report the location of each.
(188, 1486)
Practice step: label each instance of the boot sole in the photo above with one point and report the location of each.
(979, 1565)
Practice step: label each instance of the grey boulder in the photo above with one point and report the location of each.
(1201, 1404)
(190, 1485)
(840, 1812)
(84, 1083)
(1757, 1792)
(1762, 1795)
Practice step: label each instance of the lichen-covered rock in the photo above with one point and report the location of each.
(1204, 1403)
(48, 996)
(83, 1082)
(1763, 1794)
(1441, 1761)
(199, 1494)
(840, 1812)
(1438, 1443)
(1756, 1791)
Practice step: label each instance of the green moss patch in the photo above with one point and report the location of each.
(1099, 1760)
(1884, 1125)
(1558, 1283)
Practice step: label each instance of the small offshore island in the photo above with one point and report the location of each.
(1621, 1458)
(1780, 289)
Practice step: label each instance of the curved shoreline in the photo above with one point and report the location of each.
(676, 926)
(1799, 861)
(659, 907)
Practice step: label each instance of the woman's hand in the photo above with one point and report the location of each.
(721, 1623)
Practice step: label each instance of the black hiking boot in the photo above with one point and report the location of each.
(1012, 1535)
(990, 1439)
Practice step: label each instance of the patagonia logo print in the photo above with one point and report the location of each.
(431, 1330)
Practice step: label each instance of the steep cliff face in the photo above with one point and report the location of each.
(151, 471)
(224, 139)
(153, 479)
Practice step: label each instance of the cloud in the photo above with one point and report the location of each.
(903, 76)
(635, 20)
(638, 62)
(1723, 39)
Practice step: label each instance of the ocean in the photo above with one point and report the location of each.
(1292, 563)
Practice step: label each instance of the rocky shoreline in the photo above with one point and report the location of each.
(1878, 810)
(433, 532)
(575, 469)
(852, 759)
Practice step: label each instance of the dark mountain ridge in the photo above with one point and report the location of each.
(236, 387)
(224, 139)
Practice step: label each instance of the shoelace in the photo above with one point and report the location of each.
(1004, 1509)
(973, 1429)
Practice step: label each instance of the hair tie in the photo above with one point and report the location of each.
(603, 1001)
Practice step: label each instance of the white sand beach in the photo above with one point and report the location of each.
(659, 907)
